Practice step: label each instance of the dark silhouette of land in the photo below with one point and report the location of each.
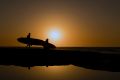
(28, 57)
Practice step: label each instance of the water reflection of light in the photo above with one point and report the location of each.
(69, 72)
(60, 72)
(56, 70)
(52, 69)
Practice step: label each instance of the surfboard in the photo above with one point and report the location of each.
(33, 41)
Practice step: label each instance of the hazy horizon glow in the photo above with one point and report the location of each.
(81, 23)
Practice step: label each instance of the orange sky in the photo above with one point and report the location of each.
(80, 23)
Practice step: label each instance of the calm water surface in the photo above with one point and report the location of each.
(67, 72)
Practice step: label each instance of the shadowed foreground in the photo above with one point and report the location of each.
(29, 57)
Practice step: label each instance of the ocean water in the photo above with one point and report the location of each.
(93, 49)
(63, 72)
(68, 72)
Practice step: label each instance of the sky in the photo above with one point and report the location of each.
(81, 23)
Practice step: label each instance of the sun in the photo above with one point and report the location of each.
(55, 35)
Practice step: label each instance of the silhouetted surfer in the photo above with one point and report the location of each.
(46, 41)
(33, 41)
(28, 36)
(28, 39)
(46, 44)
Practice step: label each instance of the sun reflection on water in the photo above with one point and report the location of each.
(60, 72)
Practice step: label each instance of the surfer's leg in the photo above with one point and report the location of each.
(28, 45)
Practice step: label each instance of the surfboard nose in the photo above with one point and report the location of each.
(22, 40)
(19, 39)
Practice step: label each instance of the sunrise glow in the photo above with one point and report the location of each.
(54, 35)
